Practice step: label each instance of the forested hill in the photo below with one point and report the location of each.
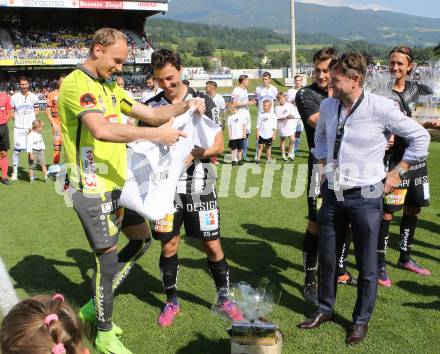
(186, 35)
(380, 27)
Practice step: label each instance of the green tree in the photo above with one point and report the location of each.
(187, 45)
(205, 48)
(437, 50)
(206, 64)
(423, 54)
(279, 59)
(228, 59)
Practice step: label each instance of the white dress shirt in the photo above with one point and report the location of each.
(364, 140)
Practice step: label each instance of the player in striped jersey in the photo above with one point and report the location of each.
(196, 204)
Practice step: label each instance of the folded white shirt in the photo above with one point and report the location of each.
(154, 169)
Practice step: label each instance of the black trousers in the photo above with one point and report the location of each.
(364, 212)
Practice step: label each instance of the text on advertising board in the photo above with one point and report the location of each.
(100, 4)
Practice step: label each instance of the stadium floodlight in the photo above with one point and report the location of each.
(292, 38)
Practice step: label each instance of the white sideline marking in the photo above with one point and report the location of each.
(8, 296)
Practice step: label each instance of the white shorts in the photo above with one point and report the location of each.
(287, 127)
(20, 137)
(299, 126)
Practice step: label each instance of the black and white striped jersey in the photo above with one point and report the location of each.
(200, 173)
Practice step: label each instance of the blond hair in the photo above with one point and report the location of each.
(106, 37)
(36, 124)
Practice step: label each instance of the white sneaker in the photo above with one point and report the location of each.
(283, 156)
(291, 157)
(14, 176)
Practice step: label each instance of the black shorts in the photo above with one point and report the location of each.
(413, 191)
(236, 144)
(267, 142)
(131, 218)
(102, 217)
(199, 213)
(313, 202)
(4, 138)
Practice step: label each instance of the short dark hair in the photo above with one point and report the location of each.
(241, 78)
(211, 83)
(403, 49)
(23, 78)
(325, 54)
(350, 64)
(162, 57)
(149, 77)
(267, 74)
(297, 76)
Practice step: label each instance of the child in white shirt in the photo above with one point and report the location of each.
(266, 131)
(237, 124)
(35, 149)
(286, 126)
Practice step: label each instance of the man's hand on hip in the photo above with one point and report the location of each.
(392, 181)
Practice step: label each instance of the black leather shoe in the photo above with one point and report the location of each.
(357, 334)
(314, 321)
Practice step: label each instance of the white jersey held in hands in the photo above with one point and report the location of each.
(286, 121)
(154, 169)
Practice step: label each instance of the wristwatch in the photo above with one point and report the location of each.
(403, 174)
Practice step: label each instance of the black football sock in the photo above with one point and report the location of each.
(169, 270)
(128, 257)
(384, 235)
(407, 230)
(310, 256)
(220, 273)
(102, 279)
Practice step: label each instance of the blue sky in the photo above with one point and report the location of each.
(425, 8)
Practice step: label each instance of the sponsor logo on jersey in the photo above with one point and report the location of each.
(396, 198)
(106, 207)
(89, 168)
(112, 118)
(208, 220)
(165, 224)
(157, 177)
(87, 101)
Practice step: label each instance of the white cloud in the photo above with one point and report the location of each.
(357, 6)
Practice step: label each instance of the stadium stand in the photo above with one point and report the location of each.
(65, 43)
